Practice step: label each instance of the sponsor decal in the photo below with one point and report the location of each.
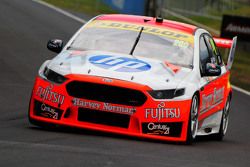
(120, 64)
(107, 80)
(172, 129)
(158, 128)
(161, 112)
(211, 100)
(86, 104)
(103, 106)
(119, 109)
(46, 94)
(236, 26)
(181, 44)
(47, 111)
(165, 32)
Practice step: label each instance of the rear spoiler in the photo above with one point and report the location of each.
(227, 43)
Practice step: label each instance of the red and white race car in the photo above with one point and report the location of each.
(139, 76)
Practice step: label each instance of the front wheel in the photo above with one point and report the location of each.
(193, 120)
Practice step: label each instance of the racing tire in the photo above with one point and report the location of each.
(193, 121)
(224, 121)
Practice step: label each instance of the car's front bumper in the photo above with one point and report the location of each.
(155, 119)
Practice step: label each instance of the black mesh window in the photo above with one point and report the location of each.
(204, 54)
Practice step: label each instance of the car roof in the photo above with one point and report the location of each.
(187, 28)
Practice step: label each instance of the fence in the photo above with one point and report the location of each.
(212, 9)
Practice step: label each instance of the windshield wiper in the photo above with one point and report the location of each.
(184, 65)
(74, 48)
(136, 41)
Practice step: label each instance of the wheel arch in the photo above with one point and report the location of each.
(199, 98)
(230, 94)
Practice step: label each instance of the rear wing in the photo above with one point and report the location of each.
(227, 43)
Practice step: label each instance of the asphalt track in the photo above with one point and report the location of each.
(25, 27)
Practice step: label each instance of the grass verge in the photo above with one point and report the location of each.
(90, 7)
(241, 70)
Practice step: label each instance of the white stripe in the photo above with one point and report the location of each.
(84, 21)
(61, 11)
(241, 90)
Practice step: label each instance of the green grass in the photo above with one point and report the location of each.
(240, 9)
(241, 70)
(90, 7)
(215, 24)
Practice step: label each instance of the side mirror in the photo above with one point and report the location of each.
(212, 70)
(55, 45)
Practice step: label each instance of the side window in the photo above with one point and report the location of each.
(204, 54)
(214, 52)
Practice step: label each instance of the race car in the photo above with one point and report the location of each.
(138, 76)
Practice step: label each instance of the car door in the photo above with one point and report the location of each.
(212, 89)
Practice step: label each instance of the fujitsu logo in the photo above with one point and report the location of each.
(161, 112)
(49, 95)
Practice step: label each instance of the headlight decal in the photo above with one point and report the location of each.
(53, 76)
(167, 94)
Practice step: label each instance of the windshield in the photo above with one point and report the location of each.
(158, 43)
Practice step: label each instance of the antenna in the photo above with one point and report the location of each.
(159, 18)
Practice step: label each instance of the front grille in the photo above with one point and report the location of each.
(106, 93)
(104, 118)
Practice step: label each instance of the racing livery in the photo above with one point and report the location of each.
(137, 76)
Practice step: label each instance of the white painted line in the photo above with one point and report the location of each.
(61, 11)
(241, 90)
(84, 21)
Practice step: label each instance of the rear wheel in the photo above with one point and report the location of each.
(193, 120)
(224, 120)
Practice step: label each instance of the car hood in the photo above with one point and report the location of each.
(147, 71)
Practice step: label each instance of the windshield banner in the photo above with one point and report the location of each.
(165, 32)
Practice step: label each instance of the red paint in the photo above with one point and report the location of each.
(223, 43)
(152, 21)
(174, 68)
